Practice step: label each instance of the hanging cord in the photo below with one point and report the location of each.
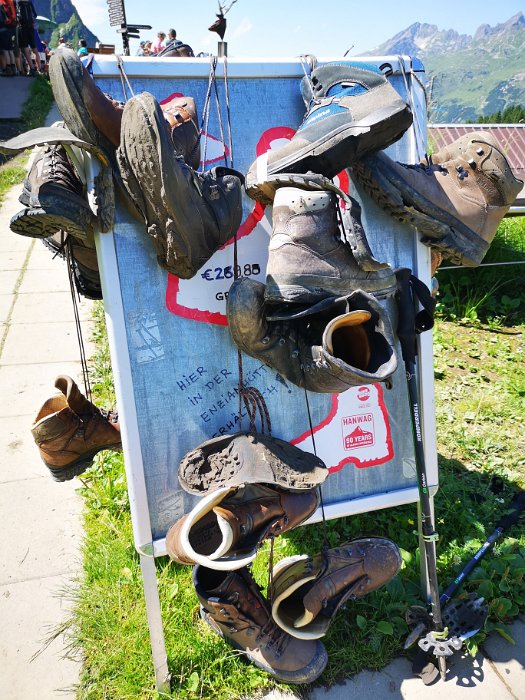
(253, 400)
(66, 249)
(124, 79)
(228, 111)
(206, 111)
(250, 398)
(410, 100)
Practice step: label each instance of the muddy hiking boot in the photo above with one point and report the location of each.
(55, 199)
(234, 607)
(83, 262)
(248, 458)
(226, 528)
(307, 591)
(455, 198)
(352, 110)
(96, 117)
(69, 430)
(327, 347)
(313, 251)
(188, 215)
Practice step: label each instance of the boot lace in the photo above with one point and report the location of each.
(57, 168)
(427, 168)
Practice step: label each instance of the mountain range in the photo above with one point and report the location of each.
(468, 76)
(70, 26)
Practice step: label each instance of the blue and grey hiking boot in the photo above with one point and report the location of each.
(352, 110)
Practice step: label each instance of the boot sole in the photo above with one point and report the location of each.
(327, 156)
(308, 674)
(79, 466)
(145, 155)
(37, 223)
(199, 476)
(264, 192)
(437, 227)
(305, 290)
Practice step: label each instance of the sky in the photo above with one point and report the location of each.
(277, 28)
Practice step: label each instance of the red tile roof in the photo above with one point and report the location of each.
(511, 138)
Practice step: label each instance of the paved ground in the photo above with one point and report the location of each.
(15, 92)
(41, 527)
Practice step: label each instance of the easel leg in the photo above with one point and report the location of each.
(156, 631)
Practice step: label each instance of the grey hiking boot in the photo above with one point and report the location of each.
(312, 252)
(232, 604)
(69, 430)
(82, 260)
(249, 458)
(189, 215)
(55, 199)
(456, 198)
(307, 592)
(352, 110)
(328, 347)
(226, 527)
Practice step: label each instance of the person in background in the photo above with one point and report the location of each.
(159, 43)
(61, 44)
(82, 47)
(8, 23)
(26, 14)
(140, 50)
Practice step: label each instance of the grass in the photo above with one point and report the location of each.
(12, 173)
(480, 398)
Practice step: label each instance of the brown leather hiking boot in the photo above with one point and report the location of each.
(248, 458)
(306, 592)
(226, 527)
(188, 215)
(456, 198)
(69, 431)
(233, 606)
(96, 117)
(328, 347)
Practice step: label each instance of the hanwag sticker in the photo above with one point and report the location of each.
(357, 425)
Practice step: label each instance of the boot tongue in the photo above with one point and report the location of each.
(244, 594)
(75, 399)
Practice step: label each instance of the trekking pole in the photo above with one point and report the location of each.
(409, 325)
(518, 506)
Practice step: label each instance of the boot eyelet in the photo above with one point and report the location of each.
(282, 341)
(480, 151)
(265, 340)
(295, 353)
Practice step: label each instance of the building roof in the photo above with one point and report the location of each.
(511, 138)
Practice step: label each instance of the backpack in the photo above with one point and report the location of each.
(9, 13)
(25, 13)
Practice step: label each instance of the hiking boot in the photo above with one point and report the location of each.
(226, 527)
(456, 198)
(82, 260)
(309, 259)
(328, 347)
(189, 215)
(249, 458)
(232, 604)
(306, 592)
(55, 199)
(96, 117)
(180, 114)
(69, 431)
(352, 110)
